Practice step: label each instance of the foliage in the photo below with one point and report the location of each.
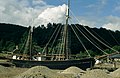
(12, 35)
(109, 51)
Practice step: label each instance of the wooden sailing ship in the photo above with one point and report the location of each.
(55, 61)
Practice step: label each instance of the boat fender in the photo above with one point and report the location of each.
(39, 58)
(97, 62)
(14, 57)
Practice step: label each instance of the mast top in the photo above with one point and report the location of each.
(66, 43)
(31, 29)
(68, 8)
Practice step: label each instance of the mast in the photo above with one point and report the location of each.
(66, 47)
(31, 31)
(28, 44)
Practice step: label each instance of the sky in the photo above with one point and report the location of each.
(92, 13)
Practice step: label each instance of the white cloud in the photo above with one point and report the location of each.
(113, 19)
(88, 23)
(96, 7)
(36, 2)
(103, 2)
(55, 14)
(22, 12)
(113, 23)
(117, 8)
(112, 26)
(109, 22)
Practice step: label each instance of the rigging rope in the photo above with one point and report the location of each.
(61, 46)
(27, 42)
(100, 37)
(50, 39)
(23, 43)
(114, 38)
(80, 41)
(55, 39)
(90, 40)
(94, 36)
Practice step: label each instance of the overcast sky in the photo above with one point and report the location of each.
(93, 13)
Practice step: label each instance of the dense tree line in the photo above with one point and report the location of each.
(12, 35)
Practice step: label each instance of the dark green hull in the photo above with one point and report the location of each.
(82, 63)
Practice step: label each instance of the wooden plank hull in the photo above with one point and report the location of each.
(82, 63)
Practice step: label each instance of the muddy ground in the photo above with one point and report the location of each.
(71, 72)
(44, 72)
(10, 72)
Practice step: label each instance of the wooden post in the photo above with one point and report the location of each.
(114, 64)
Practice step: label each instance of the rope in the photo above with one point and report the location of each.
(23, 43)
(114, 38)
(55, 39)
(27, 42)
(94, 36)
(90, 40)
(101, 37)
(50, 39)
(80, 41)
(61, 46)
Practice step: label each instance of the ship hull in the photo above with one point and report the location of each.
(82, 63)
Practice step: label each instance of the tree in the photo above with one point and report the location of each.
(1, 45)
(116, 48)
